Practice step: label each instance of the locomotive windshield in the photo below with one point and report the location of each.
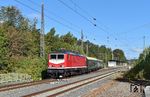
(53, 56)
(59, 56)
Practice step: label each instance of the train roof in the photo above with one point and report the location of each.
(92, 58)
(67, 52)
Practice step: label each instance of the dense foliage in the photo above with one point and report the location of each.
(119, 55)
(141, 69)
(19, 44)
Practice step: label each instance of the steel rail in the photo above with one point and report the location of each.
(51, 92)
(22, 85)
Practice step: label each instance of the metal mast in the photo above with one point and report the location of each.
(42, 44)
(82, 39)
(87, 49)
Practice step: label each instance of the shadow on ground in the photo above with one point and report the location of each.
(135, 81)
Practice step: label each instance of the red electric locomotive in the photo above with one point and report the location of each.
(66, 63)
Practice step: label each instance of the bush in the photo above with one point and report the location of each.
(29, 65)
(141, 69)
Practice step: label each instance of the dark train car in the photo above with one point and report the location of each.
(94, 64)
(66, 63)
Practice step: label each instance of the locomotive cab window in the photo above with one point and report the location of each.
(53, 56)
(60, 56)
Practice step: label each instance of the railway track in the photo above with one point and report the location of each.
(53, 85)
(22, 85)
(52, 92)
(27, 84)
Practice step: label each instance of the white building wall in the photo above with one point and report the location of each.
(112, 63)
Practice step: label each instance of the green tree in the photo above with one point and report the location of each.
(119, 55)
(54, 42)
(141, 67)
(99, 52)
(22, 34)
(51, 40)
(16, 43)
(11, 16)
(69, 38)
(4, 57)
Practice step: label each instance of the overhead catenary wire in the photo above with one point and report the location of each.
(99, 27)
(83, 10)
(96, 25)
(84, 17)
(65, 4)
(136, 28)
(97, 21)
(46, 15)
(68, 21)
(47, 10)
(49, 17)
(94, 18)
(91, 16)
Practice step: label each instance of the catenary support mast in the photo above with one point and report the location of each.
(42, 44)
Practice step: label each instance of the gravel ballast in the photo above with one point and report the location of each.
(120, 89)
(113, 89)
(107, 87)
(36, 88)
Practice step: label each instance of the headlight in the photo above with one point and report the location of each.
(62, 65)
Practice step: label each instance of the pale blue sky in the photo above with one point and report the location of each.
(125, 21)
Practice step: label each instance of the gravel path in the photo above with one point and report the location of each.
(104, 88)
(117, 89)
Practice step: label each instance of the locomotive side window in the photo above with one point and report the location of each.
(60, 56)
(53, 56)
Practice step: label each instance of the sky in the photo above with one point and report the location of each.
(120, 24)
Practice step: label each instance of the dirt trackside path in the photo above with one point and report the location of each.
(113, 88)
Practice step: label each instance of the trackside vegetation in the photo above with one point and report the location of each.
(141, 69)
(20, 44)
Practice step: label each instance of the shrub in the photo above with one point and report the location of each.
(29, 65)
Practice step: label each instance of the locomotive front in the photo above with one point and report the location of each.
(56, 64)
(66, 64)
